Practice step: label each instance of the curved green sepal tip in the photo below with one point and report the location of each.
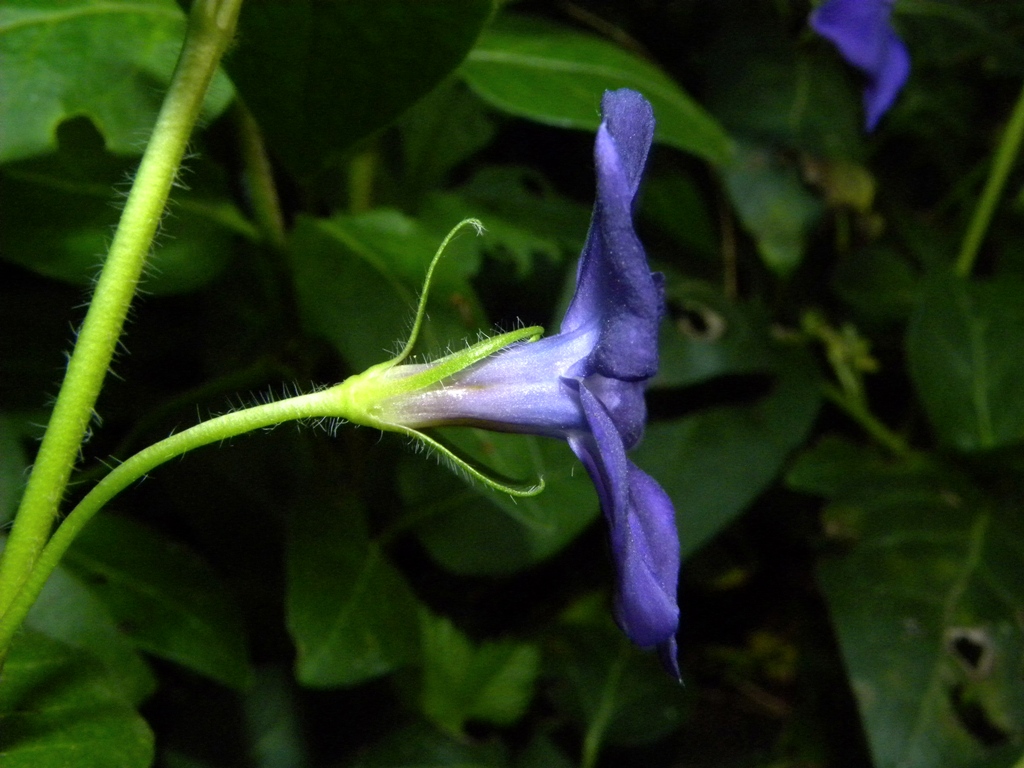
(421, 308)
(512, 488)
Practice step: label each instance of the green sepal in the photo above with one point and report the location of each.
(512, 488)
(359, 399)
(421, 309)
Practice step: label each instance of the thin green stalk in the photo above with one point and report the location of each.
(1002, 164)
(858, 411)
(259, 177)
(218, 429)
(361, 172)
(605, 708)
(210, 29)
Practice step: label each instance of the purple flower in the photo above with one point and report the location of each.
(863, 33)
(586, 385)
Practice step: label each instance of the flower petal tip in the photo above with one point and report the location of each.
(668, 652)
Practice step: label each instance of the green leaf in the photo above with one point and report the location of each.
(524, 216)
(13, 463)
(714, 461)
(837, 468)
(879, 283)
(706, 336)
(274, 725)
(763, 84)
(108, 60)
(447, 127)
(926, 606)
(420, 746)
(554, 75)
(613, 690)
(166, 598)
(773, 204)
(68, 206)
(473, 530)
(965, 349)
(36, 318)
(674, 202)
(492, 682)
(358, 278)
(59, 709)
(541, 752)
(350, 612)
(333, 73)
(68, 611)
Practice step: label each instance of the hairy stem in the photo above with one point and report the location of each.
(210, 29)
(218, 429)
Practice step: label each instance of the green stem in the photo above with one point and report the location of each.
(210, 29)
(1006, 155)
(259, 177)
(856, 409)
(361, 172)
(595, 731)
(218, 429)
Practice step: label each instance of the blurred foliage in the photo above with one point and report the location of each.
(838, 418)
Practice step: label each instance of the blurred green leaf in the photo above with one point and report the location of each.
(358, 279)
(705, 336)
(36, 318)
(13, 465)
(879, 283)
(109, 60)
(474, 530)
(274, 727)
(542, 753)
(600, 680)
(350, 612)
(676, 205)
(765, 88)
(492, 682)
(68, 611)
(926, 605)
(525, 198)
(165, 597)
(524, 216)
(965, 349)
(773, 205)
(555, 75)
(964, 30)
(445, 128)
(64, 208)
(59, 709)
(716, 460)
(333, 73)
(420, 746)
(836, 468)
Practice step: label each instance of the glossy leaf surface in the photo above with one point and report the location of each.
(556, 75)
(108, 61)
(169, 601)
(57, 709)
(350, 611)
(315, 69)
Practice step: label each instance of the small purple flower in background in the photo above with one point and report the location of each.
(863, 33)
(586, 384)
